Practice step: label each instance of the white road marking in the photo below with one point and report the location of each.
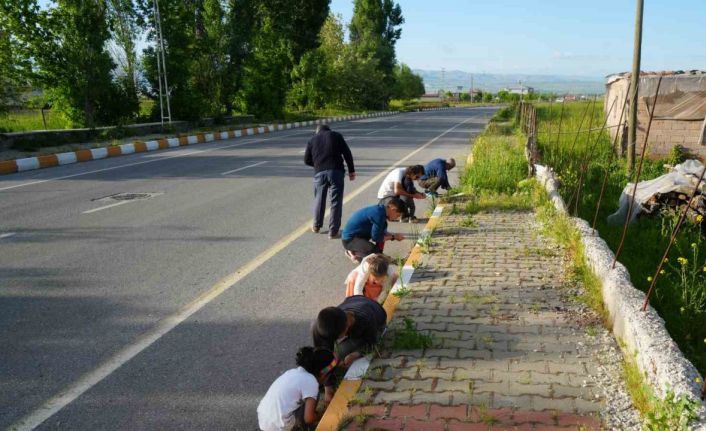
(7, 235)
(244, 167)
(106, 207)
(217, 147)
(302, 152)
(374, 131)
(164, 326)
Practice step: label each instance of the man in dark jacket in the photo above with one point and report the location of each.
(326, 152)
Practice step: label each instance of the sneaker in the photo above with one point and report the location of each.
(431, 194)
(315, 229)
(352, 256)
(334, 235)
(404, 220)
(413, 219)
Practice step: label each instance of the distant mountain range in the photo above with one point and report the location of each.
(495, 82)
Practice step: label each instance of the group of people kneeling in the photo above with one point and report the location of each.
(342, 334)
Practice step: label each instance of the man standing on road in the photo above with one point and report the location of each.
(326, 152)
(435, 175)
(400, 183)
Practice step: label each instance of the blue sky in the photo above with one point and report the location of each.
(558, 37)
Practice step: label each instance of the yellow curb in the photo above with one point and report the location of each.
(338, 408)
(8, 167)
(114, 151)
(140, 147)
(48, 161)
(339, 405)
(84, 155)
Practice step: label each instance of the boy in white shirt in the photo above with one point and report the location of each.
(400, 182)
(291, 399)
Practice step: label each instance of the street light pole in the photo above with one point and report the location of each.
(634, 87)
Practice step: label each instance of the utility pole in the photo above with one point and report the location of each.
(161, 67)
(634, 83)
(443, 83)
(472, 88)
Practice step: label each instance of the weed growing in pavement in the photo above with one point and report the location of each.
(402, 292)
(455, 210)
(672, 413)
(425, 242)
(409, 338)
(471, 390)
(468, 221)
(591, 331)
(476, 299)
(486, 417)
(669, 414)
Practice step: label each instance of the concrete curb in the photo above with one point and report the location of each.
(338, 408)
(644, 335)
(51, 160)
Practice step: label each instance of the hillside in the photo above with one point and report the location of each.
(495, 82)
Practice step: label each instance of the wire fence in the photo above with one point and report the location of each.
(604, 172)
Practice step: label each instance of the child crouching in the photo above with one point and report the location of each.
(371, 277)
(291, 399)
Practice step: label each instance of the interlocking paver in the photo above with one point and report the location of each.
(505, 351)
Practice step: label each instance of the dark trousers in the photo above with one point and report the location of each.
(361, 246)
(431, 183)
(323, 181)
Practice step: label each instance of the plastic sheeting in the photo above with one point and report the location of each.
(681, 179)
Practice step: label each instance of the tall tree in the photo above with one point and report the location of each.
(11, 64)
(125, 28)
(178, 22)
(240, 23)
(66, 42)
(408, 85)
(283, 31)
(210, 65)
(374, 32)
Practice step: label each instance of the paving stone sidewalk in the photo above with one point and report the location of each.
(511, 349)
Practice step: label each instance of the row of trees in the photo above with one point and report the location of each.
(255, 56)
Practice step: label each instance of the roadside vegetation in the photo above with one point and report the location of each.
(270, 60)
(680, 296)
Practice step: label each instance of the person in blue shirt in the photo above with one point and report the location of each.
(435, 175)
(366, 230)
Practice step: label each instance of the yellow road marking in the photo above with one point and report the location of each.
(165, 325)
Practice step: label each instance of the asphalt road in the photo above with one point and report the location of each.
(177, 311)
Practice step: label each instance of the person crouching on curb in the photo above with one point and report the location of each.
(366, 230)
(291, 400)
(435, 176)
(371, 277)
(350, 330)
(400, 183)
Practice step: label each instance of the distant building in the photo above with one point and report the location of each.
(680, 113)
(521, 90)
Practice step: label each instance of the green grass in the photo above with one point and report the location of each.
(677, 293)
(21, 121)
(408, 338)
(497, 163)
(414, 104)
